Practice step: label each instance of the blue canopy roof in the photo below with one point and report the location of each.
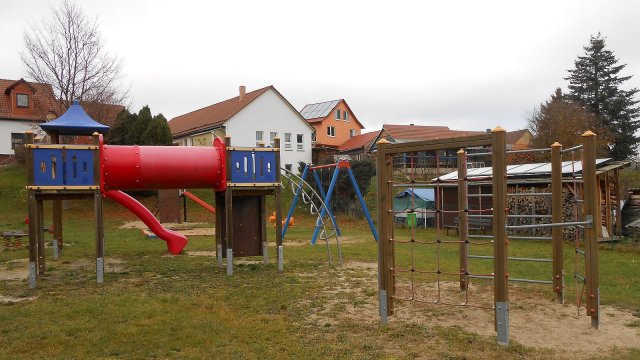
(424, 194)
(74, 122)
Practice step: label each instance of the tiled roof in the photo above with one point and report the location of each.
(421, 132)
(43, 100)
(213, 115)
(513, 136)
(358, 141)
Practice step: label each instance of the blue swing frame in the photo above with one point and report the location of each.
(342, 164)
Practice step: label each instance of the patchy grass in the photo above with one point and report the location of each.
(158, 306)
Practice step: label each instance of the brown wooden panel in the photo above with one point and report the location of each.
(169, 204)
(247, 225)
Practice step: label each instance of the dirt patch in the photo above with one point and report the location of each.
(201, 253)
(534, 321)
(14, 270)
(111, 265)
(141, 225)
(10, 300)
(186, 229)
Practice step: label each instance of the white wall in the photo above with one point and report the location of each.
(13, 126)
(269, 113)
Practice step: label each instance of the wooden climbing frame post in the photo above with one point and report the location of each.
(384, 172)
(557, 233)
(463, 229)
(592, 213)
(500, 244)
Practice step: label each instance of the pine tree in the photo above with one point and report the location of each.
(158, 132)
(139, 126)
(595, 83)
(118, 133)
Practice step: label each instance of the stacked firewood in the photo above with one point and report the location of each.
(539, 205)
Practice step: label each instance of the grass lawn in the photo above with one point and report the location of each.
(153, 305)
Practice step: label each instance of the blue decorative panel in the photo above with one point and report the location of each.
(242, 166)
(78, 167)
(249, 167)
(266, 167)
(48, 167)
(63, 167)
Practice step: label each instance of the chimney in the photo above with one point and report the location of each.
(243, 91)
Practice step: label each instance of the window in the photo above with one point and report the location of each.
(272, 137)
(258, 135)
(288, 166)
(331, 131)
(22, 100)
(287, 141)
(337, 114)
(17, 139)
(352, 133)
(299, 139)
(345, 115)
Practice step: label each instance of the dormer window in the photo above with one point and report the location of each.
(22, 100)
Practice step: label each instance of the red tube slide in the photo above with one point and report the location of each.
(175, 241)
(163, 167)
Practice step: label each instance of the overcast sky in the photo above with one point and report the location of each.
(469, 65)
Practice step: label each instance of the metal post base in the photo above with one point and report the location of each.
(100, 270)
(265, 253)
(56, 252)
(502, 322)
(280, 258)
(229, 262)
(32, 275)
(384, 319)
(595, 319)
(219, 255)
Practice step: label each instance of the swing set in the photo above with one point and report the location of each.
(326, 196)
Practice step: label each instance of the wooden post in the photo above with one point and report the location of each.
(40, 235)
(618, 192)
(278, 199)
(607, 205)
(31, 200)
(57, 215)
(97, 208)
(591, 213)
(557, 233)
(462, 225)
(228, 202)
(384, 171)
(500, 244)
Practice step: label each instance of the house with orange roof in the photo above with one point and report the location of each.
(519, 139)
(334, 122)
(23, 105)
(252, 119)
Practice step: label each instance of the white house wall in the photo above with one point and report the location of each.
(268, 113)
(13, 126)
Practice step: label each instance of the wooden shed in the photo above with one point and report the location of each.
(536, 177)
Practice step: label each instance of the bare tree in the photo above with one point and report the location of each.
(563, 120)
(68, 53)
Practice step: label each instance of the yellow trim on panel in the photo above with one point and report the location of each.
(35, 187)
(70, 147)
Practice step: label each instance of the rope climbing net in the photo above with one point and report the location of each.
(415, 263)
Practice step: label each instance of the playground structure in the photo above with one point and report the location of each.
(66, 171)
(401, 282)
(326, 224)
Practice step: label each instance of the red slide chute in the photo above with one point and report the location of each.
(175, 241)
